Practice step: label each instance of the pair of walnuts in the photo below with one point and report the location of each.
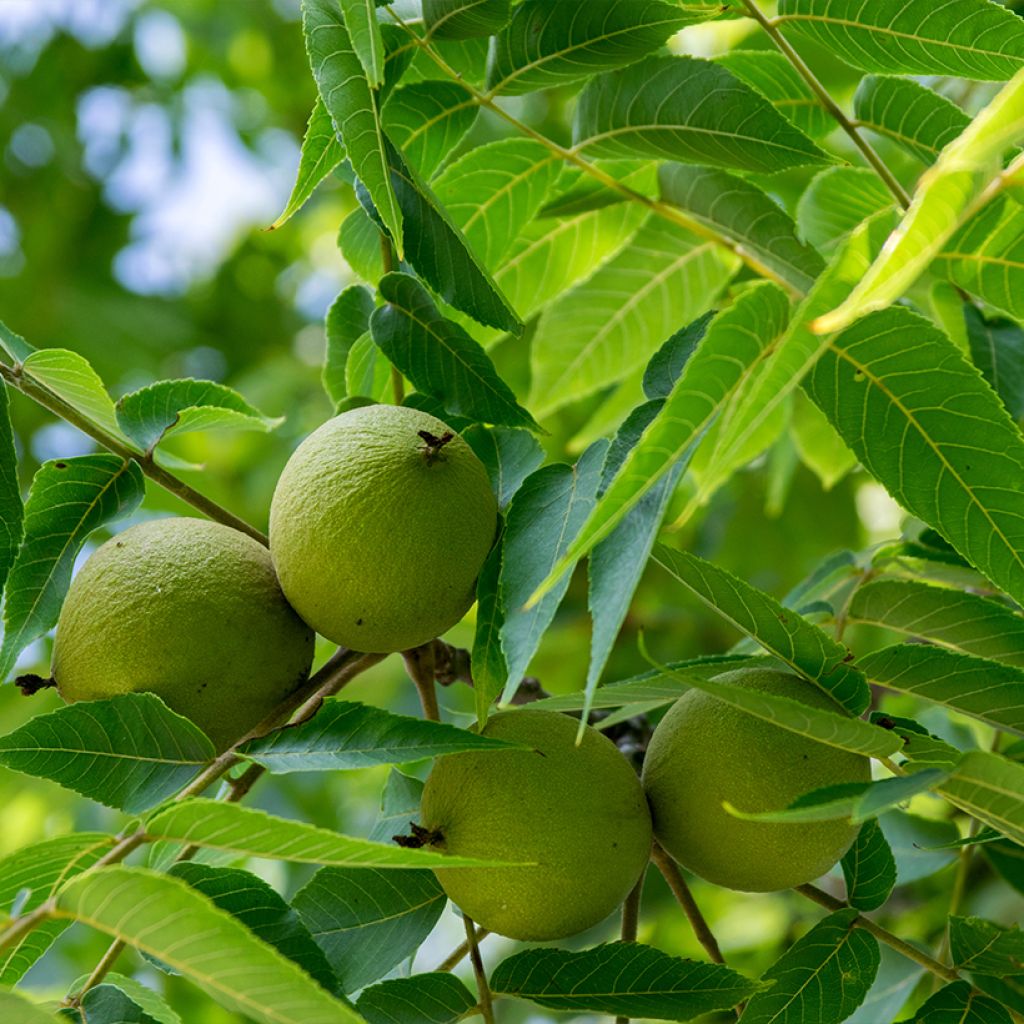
(379, 526)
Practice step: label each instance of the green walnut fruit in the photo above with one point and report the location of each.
(379, 527)
(189, 610)
(577, 812)
(705, 751)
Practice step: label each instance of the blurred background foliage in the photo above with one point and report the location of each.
(144, 148)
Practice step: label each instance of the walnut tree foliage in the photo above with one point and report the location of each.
(668, 298)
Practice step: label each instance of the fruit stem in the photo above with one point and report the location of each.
(631, 920)
(454, 958)
(670, 870)
(420, 663)
(483, 989)
(432, 445)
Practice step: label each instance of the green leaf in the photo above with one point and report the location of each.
(960, 1004)
(14, 344)
(72, 377)
(918, 844)
(399, 804)
(364, 32)
(440, 358)
(345, 735)
(665, 366)
(823, 977)
(12, 513)
(747, 216)
(128, 752)
(997, 349)
(941, 201)
(367, 921)
(440, 254)
(167, 919)
(464, 19)
(492, 192)
(422, 999)
(123, 999)
(29, 877)
(901, 394)
(919, 121)
(578, 191)
(982, 947)
(986, 257)
(734, 342)
(781, 631)
(869, 868)
(263, 911)
(466, 57)
(965, 622)
(620, 978)
(16, 1008)
(614, 321)
(69, 499)
(992, 789)
(964, 38)
(836, 202)
(348, 319)
(367, 370)
(426, 120)
(893, 984)
(359, 240)
(487, 659)
(169, 407)
(775, 78)
(1008, 859)
(820, 448)
(322, 151)
(349, 99)
(684, 108)
(252, 833)
(509, 456)
(549, 44)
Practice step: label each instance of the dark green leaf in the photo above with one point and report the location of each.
(464, 19)
(509, 456)
(364, 32)
(346, 735)
(744, 214)
(69, 499)
(426, 120)
(822, 978)
(684, 108)
(351, 103)
(11, 511)
(869, 868)
(1008, 859)
(963, 621)
(959, 1004)
(893, 984)
(966, 38)
(421, 999)
(129, 752)
(787, 635)
(347, 321)
(322, 151)
(263, 911)
(901, 394)
(624, 978)
(983, 947)
(548, 44)
(918, 120)
(168, 407)
(366, 921)
(775, 78)
(110, 1004)
(667, 363)
(440, 358)
(997, 349)
(489, 664)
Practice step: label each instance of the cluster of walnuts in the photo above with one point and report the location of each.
(379, 526)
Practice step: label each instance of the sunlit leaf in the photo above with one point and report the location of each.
(427, 119)
(836, 201)
(992, 789)
(464, 19)
(322, 151)
(364, 32)
(11, 511)
(18, 1008)
(347, 320)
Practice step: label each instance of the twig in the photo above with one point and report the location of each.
(454, 958)
(419, 663)
(631, 920)
(670, 870)
(794, 58)
(483, 989)
(39, 393)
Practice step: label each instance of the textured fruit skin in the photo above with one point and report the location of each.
(189, 610)
(578, 812)
(704, 751)
(377, 547)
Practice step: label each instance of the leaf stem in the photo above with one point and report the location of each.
(483, 989)
(670, 870)
(420, 664)
(42, 395)
(662, 209)
(454, 958)
(794, 58)
(387, 255)
(631, 920)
